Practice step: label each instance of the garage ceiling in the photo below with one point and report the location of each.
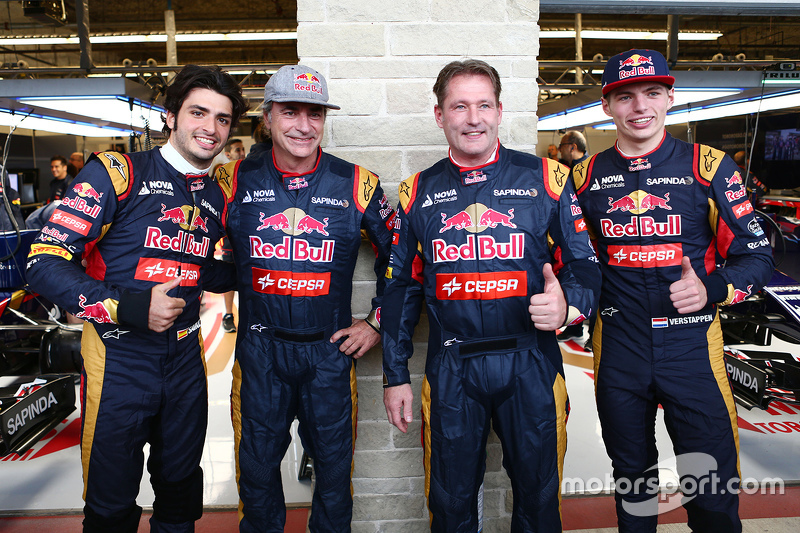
(757, 37)
(752, 37)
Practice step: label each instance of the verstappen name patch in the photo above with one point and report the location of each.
(481, 285)
(163, 270)
(291, 283)
(659, 255)
(664, 322)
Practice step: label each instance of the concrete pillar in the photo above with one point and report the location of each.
(381, 60)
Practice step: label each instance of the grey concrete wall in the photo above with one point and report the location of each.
(381, 60)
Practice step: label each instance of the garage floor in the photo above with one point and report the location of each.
(47, 479)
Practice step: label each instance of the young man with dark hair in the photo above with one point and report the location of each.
(295, 220)
(676, 238)
(501, 263)
(61, 178)
(144, 224)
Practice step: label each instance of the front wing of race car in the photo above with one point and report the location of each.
(760, 376)
(30, 409)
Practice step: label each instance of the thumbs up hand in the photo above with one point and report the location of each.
(688, 294)
(548, 309)
(164, 309)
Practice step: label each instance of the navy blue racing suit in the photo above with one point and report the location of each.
(295, 241)
(472, 242)
(137, 222)
(645, 214)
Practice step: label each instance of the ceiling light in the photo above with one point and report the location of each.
(742, 106)
(593, 112)
(746, 106)
(151, 38)
(629, 35)
(38, 122)
(106, 108)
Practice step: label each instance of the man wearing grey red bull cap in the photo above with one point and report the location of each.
(492, 240)
(295, 219)
(145, 224)
(676, 238)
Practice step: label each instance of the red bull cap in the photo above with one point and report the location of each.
(635, 66)
(297, 83)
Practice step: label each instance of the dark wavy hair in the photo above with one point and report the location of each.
(203, 77)
(472, 67)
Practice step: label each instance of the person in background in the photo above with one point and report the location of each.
(676, 239)
(61, 178)
(754, 186)
(75, 163)
(6, 224)
(552, 152)
(573, 150)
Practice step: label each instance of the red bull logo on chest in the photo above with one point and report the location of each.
(639, 202)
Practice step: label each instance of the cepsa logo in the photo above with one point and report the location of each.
(162, 270)
(742, 209)
(481, 285)
(289, 283)
(64, 219)
(476, 218)
(652, 256)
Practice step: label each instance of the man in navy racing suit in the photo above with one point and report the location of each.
(493, 240)
(295, 221)
(676, 238)
(145, 225)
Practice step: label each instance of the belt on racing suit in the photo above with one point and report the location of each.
(296, 336)
(465, 347)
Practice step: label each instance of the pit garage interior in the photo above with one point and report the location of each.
(737, 66)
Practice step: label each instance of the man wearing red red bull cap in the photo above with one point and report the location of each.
(676, 239)
(491, 240)
(145, 225)
(295, 220)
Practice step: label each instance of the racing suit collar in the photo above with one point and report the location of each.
(296, 180)
(176, 160)
(649, 160)
(472, 175)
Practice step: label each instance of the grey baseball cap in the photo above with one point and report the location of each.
(297, 83)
